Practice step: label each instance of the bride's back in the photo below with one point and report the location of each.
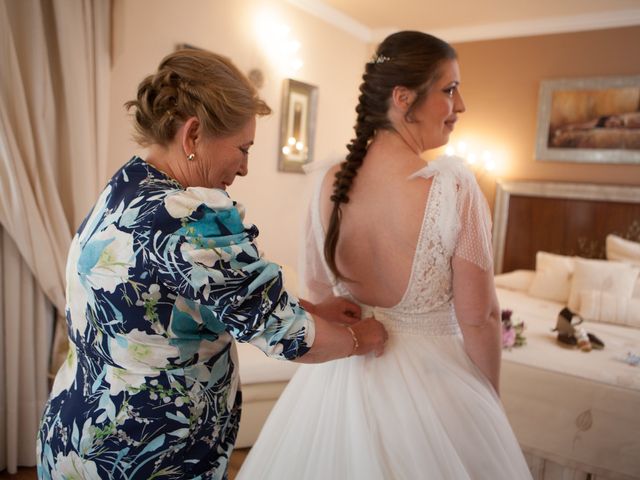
(380, 226)
(408, 104)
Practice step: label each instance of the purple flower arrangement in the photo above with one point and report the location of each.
(512, 333)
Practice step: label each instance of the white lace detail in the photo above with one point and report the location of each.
(429, 286)
(435, 323)
(426, 307)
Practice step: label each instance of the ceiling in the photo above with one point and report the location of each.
(464, 20)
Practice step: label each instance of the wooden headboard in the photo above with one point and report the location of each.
(563, 218)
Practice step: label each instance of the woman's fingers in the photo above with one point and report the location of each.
(371, 336)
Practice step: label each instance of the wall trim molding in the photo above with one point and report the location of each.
(540, 26)
(493, 31)
(335, 18)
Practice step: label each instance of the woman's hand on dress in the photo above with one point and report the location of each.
(337, 340)
(336, 309)
(371, 337)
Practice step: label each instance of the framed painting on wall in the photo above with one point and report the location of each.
(589, 120)
(297, 125)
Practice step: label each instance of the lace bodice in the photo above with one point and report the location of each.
(456, 222)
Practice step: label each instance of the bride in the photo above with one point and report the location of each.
(411, 243)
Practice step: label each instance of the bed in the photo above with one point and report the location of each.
(575, 414)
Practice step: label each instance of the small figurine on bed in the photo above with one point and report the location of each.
(570, 333)
(512, 334)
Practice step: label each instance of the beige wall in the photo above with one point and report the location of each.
(500, 81)
(146, 30)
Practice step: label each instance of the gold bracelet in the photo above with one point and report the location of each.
(356, 344)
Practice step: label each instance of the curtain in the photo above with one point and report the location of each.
(53, 121)
(27, 318)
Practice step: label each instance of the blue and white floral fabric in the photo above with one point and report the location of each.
(160, 280)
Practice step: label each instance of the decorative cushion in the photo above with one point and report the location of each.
(616, 278)
(518, 280)
(600, 306)
(623, 250)
(552, 280)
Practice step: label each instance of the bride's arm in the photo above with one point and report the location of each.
(474, 294)
(316, 280)
(332, 340)
(478, 313)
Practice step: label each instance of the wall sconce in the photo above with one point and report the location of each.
(278, 44)
(482, 162)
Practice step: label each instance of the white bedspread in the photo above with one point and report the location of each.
(579, 409)
(543, 351)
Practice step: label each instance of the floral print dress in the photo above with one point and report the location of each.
(160, 281)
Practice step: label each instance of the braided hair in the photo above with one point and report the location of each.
(194, 83)
(409, 59)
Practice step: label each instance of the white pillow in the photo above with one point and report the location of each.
(623, 250)
(519, 280)
(616, 278)
(552, 280)
(600, 306)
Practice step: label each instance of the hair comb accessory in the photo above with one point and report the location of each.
(379, 59)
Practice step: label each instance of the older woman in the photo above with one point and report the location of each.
(162, 276)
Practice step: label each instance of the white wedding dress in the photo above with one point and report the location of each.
(423, 410)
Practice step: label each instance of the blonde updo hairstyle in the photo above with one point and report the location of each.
(194, 83)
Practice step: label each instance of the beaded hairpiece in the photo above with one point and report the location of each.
(379, 59)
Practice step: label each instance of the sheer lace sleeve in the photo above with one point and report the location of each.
(474, 236)
(317, 280)
(466, 228)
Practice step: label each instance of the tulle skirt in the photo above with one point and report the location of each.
(421, 411)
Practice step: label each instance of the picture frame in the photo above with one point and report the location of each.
(594, 120)
(297, 125)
